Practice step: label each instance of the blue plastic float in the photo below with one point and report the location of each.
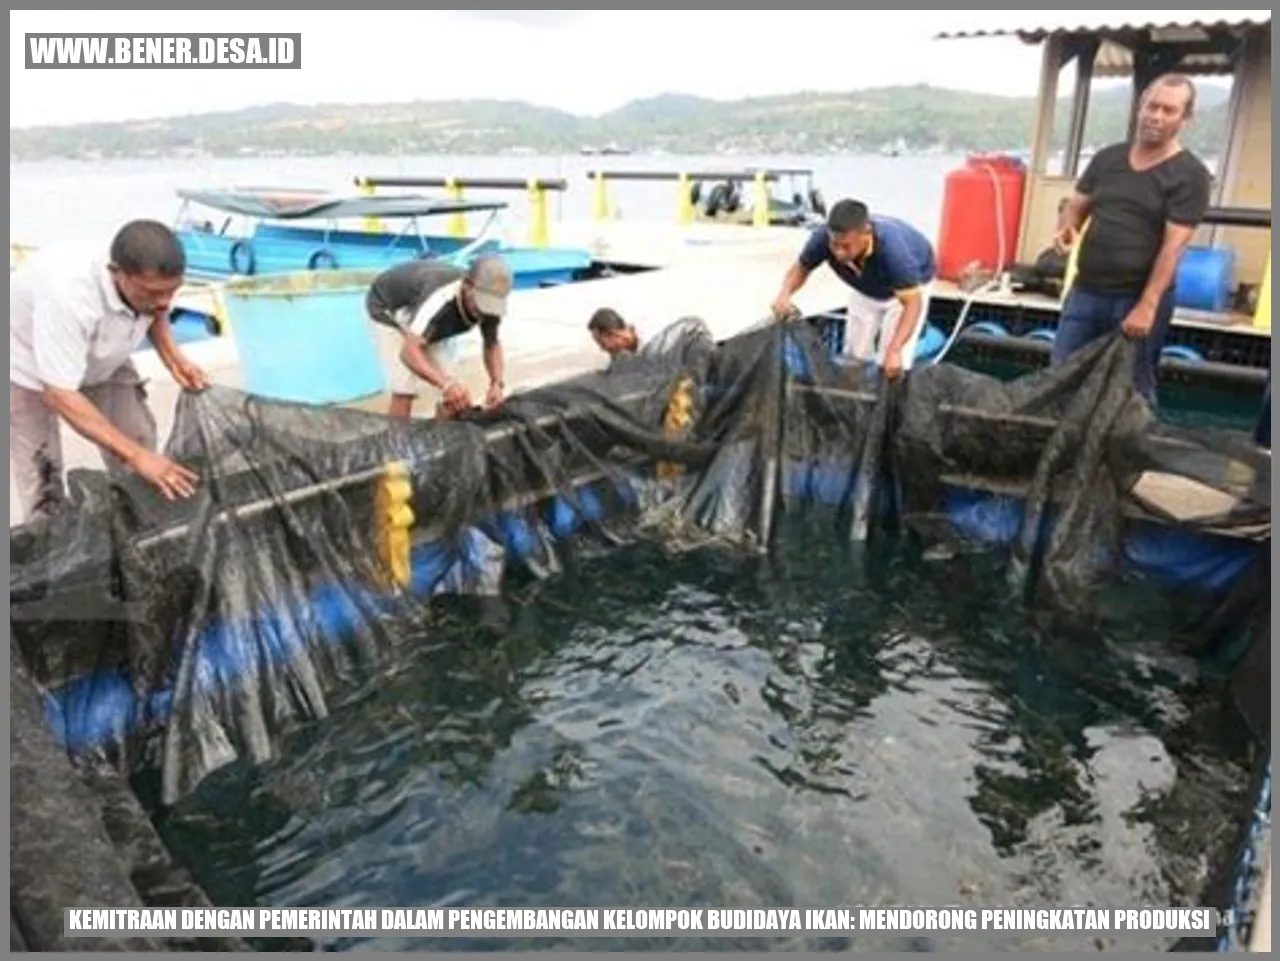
(1204, 279)
(989, 327)
(96, 709)
(1182, 352)
(931, 341)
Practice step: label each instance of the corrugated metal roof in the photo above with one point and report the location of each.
(1114, 59)
(1195, 27)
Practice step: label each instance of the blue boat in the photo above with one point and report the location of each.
(300, 229)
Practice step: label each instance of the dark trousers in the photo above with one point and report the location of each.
(1086, 316)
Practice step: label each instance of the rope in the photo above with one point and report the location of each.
(1242, 911)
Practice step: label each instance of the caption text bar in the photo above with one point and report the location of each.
(629, 922)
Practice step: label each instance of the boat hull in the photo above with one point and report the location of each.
(273, 249)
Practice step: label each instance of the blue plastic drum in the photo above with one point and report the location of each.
(1204, 279)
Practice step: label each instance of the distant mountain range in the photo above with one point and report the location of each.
(906, 118)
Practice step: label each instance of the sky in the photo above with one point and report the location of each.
(585, 62)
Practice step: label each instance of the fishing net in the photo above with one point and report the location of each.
(184, 636)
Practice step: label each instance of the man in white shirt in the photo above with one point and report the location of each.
(72, 332)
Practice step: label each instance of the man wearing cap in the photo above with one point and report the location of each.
(421, 307)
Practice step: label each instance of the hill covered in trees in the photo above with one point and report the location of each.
(912, 117)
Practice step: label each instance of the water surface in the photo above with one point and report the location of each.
(658, 730)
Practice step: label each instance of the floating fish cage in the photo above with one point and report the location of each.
(182, 637)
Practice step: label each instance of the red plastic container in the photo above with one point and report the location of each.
(968, 231)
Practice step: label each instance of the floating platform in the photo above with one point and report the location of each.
(574, 476)
(654, 273)
(1225, 350)
(727, 275)
(311, 491)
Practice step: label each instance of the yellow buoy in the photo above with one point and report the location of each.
(393, 520)
(678, 416)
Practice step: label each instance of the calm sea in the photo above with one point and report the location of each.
(74, 203)
(654, 728)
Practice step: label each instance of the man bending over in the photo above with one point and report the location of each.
(73, 328)
(421, 308)
(889, 268)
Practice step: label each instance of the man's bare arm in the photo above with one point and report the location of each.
(1165, 268)
(1071, 220)
(912, 307)
(792, 281)
(1076, 211)
(173, 480)
(413, 356)
(493, 363)
(161, 333)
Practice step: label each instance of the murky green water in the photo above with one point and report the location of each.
(655, 730)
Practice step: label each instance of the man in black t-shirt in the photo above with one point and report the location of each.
(1144, 201)
(420, 308)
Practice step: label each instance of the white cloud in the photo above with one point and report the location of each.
(582, 61)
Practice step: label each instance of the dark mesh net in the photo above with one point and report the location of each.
(190, 634)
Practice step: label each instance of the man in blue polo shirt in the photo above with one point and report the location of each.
(889, 267)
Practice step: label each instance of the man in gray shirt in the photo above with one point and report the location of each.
(421, 307)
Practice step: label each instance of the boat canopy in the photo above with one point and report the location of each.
(292, 204)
